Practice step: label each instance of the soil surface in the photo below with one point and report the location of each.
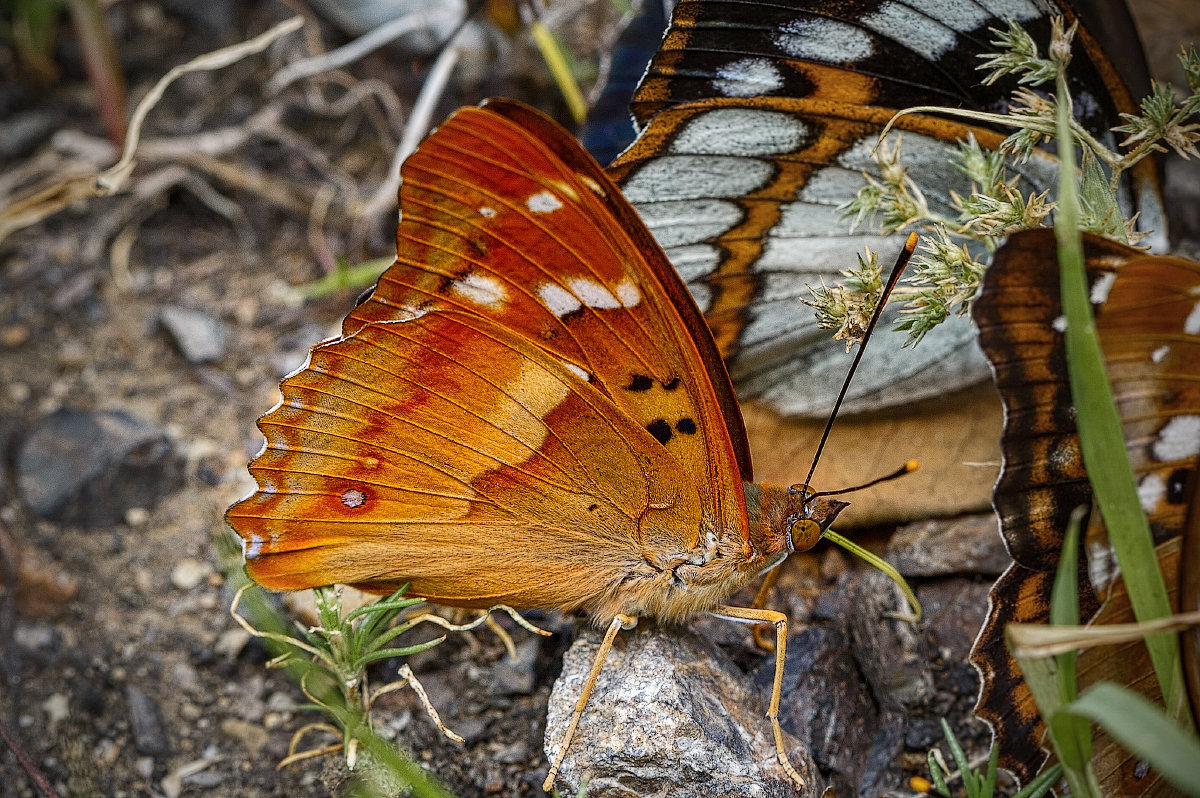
(140, 336)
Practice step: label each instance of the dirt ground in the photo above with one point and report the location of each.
(124, 674)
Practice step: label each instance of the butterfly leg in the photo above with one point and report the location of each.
(756, 615)
(618, 623)
(760, 631)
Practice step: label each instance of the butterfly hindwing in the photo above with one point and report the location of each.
(1146, 318)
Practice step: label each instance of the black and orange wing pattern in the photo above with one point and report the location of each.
(1149, 326)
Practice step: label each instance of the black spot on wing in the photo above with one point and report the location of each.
(640, 382)
(661, 430)
(686, 426)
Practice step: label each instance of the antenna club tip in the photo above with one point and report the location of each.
(911, 243)
(911, 466)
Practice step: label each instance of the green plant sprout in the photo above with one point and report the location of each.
(977, 784)
(945, 273)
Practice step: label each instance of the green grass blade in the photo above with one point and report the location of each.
(1145, 731)
(1072, 736)
(1101, 437)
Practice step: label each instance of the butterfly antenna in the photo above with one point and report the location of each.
(905, 254)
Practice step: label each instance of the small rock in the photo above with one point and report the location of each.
(149, 735)
(252, 736)
(34, 636)
(200, 337)
(669, 715)
(512, 754)
(955, 610)
(57, 709)
(90, 467)
(13, 335)
(231, 642)
(825, 702)
(517, 677)
(833, 564)
(137, 516)
(942, 547)
(189, 573)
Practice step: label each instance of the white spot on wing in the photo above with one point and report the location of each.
(918, 32)
(677, 177)
(583, 375)
(543, 202)
(823, 39)
(1059, 324)
(558, 300)
(748, 77)
(1192, 325)
(487, 213)
(1179, 439)
(1104, 284)
(593, 294)
(678, 223)
(628, 293)
(746, 132)
(252, 547)
(1160, 354)
(482, 289)
(1151, 491)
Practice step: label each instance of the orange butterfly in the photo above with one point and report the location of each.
(528, 411)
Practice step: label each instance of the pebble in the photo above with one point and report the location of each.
(92, 466)
(200, 337)
(942, 547)
(14, 335)
(149, 734)
(671, 714)
(517, 676)
(188, 573)
(252, 736)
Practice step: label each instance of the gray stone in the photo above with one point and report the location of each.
(517, 676)
(149, 734)
(670, 715)
(200, 337)
(91, 467)
(970, 544)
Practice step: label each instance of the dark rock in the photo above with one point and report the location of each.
(942, 547)
(954, 613)
(669, 715)
(90, 467)
(149, 734)
(200, 337)
(825, 702)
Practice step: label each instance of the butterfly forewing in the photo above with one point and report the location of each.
(523, 382)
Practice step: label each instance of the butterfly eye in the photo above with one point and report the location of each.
(805, 533)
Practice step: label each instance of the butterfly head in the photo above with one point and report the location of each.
(809, 515)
